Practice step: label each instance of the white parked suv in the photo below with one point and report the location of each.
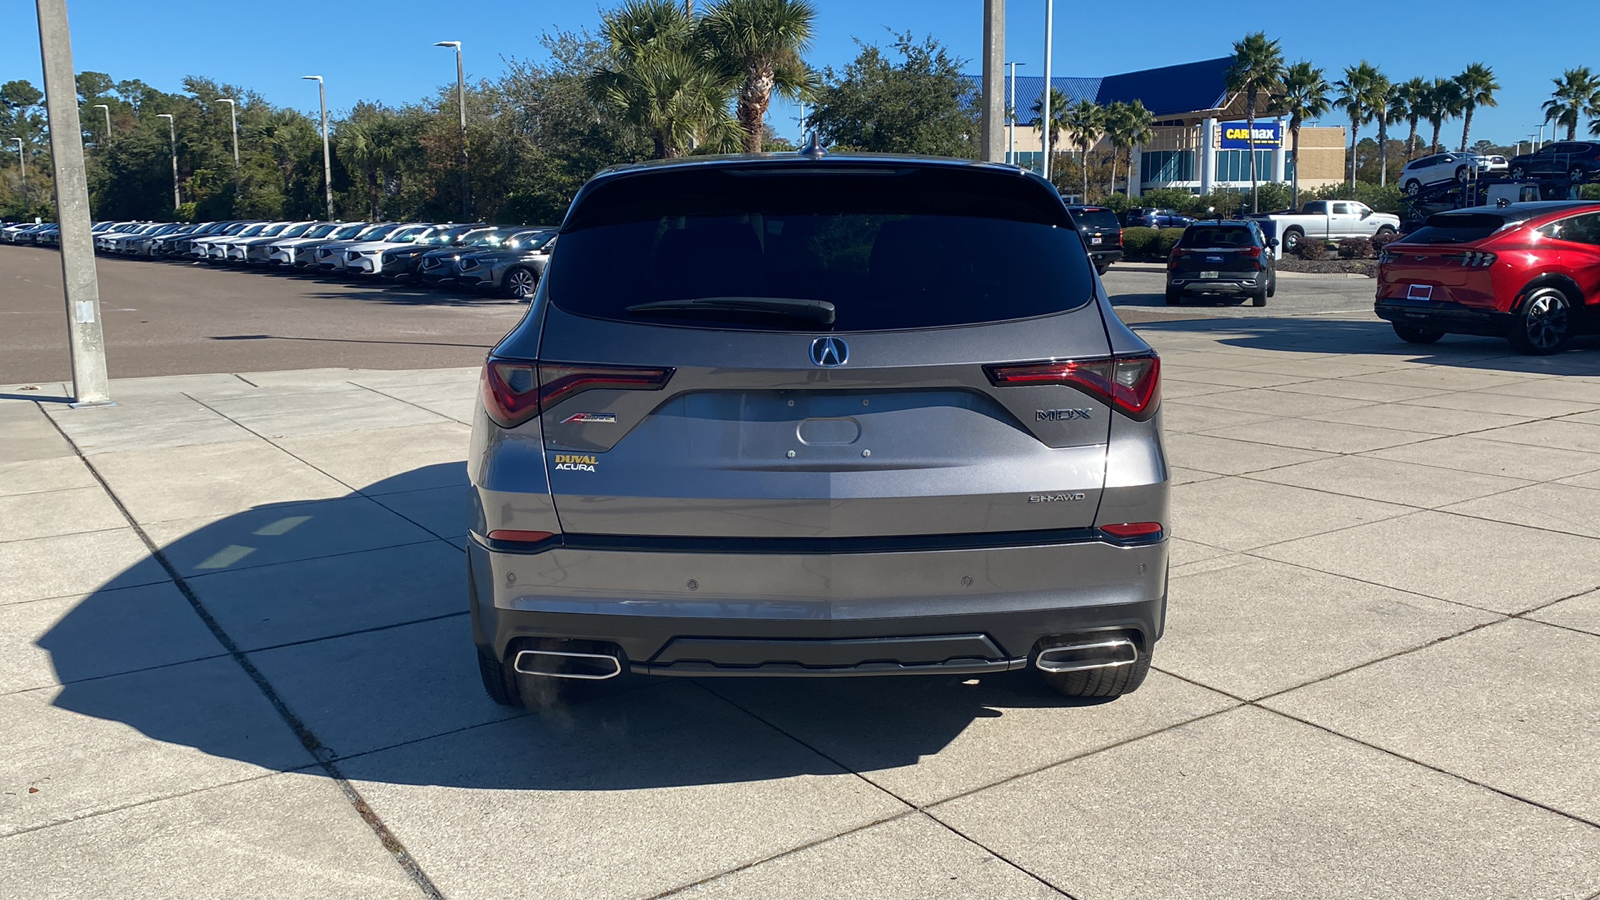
(1442, 167)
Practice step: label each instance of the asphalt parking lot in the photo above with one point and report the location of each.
(174, 318)
(256, 680)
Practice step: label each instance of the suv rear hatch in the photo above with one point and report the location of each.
(1226, 251)
(846, 349)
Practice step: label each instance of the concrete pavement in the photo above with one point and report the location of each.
(234, 662)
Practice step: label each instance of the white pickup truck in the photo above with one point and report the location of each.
(1330, 220)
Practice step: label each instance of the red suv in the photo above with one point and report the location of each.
(1529, 272)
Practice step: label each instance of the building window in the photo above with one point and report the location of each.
(1234, 165)
(1166, 166)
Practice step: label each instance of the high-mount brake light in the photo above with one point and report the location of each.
(1131, 384)
(515, 391)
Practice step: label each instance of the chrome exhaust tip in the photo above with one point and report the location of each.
(1082, 657)
(567, 664)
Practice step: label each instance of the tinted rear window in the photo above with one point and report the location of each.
(1217, 236)
(1455, 229)
(890, 246)
(1096, 219)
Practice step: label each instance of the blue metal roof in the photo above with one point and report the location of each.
(1166, 91)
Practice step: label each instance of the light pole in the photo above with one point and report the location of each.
(1045, 121)
(233, 115)
(327, 158)
(172, 131)
(1011, 120)
(461, 105)
(107, 110)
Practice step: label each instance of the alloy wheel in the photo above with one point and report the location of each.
(1547, 319)
(521, 283)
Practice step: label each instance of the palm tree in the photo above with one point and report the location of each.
(364, 143)
(1057, 118)
(1305, 96)
(659, 79)
(1477, 89)
(1355, 95)
(1133, 128)
(1381, 97)
(1413, 96)
(1577, 92)
(759, 43)
(1115, 113)
(1257, 67)
(1444, 103)
(1084, 123)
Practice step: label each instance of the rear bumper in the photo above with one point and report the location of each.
(1451, 318)
(949, 612)
(1106, 257)
(1225, 282)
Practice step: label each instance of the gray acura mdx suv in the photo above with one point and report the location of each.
(818, 415)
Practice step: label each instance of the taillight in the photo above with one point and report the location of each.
(1477, 258)
(1176, 253)
(1129, 384)
(1133, 531)
(515, 391)
(1252, 252)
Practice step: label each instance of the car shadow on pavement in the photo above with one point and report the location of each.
(1312, 334)
(339, 626)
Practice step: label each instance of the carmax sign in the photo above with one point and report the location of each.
(1236, 135)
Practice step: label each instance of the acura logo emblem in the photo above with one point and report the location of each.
(829, 352)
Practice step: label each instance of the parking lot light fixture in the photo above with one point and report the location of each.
(1011, 120)
(107, 110)
(1045, 119)
(327, 156)
(233, 115)
(461, 107)
(172, 132)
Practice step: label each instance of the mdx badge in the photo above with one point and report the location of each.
(829, 352)
(1059, 415)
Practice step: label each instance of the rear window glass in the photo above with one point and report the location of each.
(1097, 219)
(891, 247)
(1217, 236)
(1455, 229)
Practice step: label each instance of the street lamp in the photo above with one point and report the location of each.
(172, 132)
(461, 104)
(327, 158)
(107, 109)
(233, 115)
(1011, 124)
(1045, 121)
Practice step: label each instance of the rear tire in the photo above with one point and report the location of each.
(1461, 175)
(1272, 284)
(1417, 335)
(1545, 323)
(1174, 297)
(1100, 683)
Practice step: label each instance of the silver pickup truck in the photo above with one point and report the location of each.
(1330, 220)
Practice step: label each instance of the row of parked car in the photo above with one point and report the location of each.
(506, 259)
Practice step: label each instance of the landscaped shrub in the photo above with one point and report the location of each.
(1166, 239)
(1311, 249)
(1380, 241)
(1139, 243)
(1355, 248)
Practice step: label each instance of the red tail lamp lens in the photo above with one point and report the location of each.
(515, 391)
(521, 537)
(1129, 384)
(1132, 529)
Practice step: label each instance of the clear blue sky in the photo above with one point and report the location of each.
(381, 50)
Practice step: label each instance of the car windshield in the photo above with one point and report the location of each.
(530, 240)
(295, 230)
(1216, 236)
(488, 237)
(348, 231)
(376, 232)
(1455, 229)
(274, 230)
(407, 234)
(438, 237)
(252, 230)
(873, 243)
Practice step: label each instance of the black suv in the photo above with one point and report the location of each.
(1577, 160)
(1223, 257)
(1102, 234)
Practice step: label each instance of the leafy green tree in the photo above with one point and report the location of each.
(659, 79)
(1305, 96)
(1257, 68)
(1478, 88)
(1577, 93)
(920, 104)
(758, 43)
(1381, 97)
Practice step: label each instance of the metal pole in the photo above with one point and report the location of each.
(108, 118)
(1011, 120)
(994, 76)
(172, 130)
(327, 156)
(461, 106)
(233, 115)
(1045, 122)
(90, 386)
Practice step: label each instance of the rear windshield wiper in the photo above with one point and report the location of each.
(820, 311)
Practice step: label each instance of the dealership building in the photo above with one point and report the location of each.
(1200, 139)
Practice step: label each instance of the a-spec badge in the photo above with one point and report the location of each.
(591, 419)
